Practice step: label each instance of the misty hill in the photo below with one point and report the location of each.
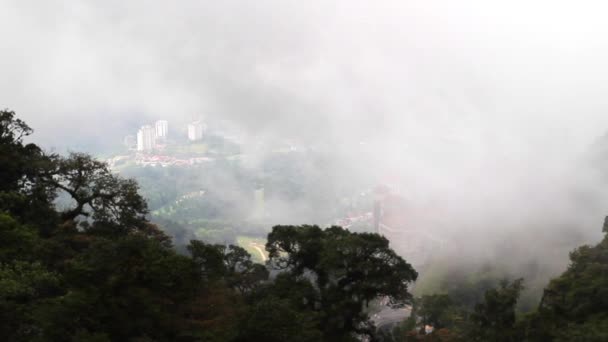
(97, 269)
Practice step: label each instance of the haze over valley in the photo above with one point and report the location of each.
(465, 144)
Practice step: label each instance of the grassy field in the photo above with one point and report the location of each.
(188, 149)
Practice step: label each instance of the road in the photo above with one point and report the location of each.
(259, 251)
(390, 316)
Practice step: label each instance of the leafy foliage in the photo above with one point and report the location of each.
(574, 306)
(79, 261)
(494, 318)
(348, 270)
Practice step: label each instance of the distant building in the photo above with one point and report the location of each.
(146, 138)
(195, 130)
(162, 127)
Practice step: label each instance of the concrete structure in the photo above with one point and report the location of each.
(162, 127)
(146, 138)
(196, 130)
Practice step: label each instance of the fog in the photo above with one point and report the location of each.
(486, 110)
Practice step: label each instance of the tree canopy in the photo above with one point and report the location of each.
(348, 270)
(80, 261)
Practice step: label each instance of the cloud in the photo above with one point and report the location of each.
(488, 106)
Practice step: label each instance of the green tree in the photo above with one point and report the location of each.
(276, 320)
(126, 288)
(231, 264)
(13, 154)
(494, 318)
(98, 270)
(574, 306)
(434, 310)
(96, 192)
(348, 270)
(21, 192)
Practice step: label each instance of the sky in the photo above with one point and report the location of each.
(489, 105)
(309, 68)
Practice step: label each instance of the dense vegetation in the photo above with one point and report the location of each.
(79, 261)
(574, 307)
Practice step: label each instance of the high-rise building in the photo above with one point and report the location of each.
(146, 138)
(195, 130)
(162, 127)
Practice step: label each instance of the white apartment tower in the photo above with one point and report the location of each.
(146, 138)
(195, 130)
(162, 127)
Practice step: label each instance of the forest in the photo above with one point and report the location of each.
(80, 260)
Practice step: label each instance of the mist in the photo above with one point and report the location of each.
(486, 114)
